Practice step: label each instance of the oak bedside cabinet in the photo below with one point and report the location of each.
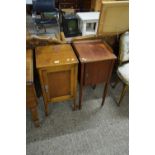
(31, 99)
(96, 64)
(57, 66)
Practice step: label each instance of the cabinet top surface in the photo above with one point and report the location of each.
(88, 15)
(55, 55)
(29, 66)
(93, 51)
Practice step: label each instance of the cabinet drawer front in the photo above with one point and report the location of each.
(97, 72)
(59, 83)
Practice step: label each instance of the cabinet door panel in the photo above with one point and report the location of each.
(58, 83)
(96, 72)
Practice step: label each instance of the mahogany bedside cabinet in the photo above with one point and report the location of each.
(31, 99)
(57, 66)
(96, 64)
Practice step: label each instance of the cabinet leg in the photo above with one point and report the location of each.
(46, 109)
(81, 86)
(81, 96)
(45, 106)
(74, 105)
(104, 93)
(35, 118)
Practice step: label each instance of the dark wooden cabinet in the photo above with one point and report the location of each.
(85, 5)
(82, 5)
(94, 72)
(63, 4)
(96, 64)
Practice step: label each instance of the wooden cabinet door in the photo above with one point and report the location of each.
(97, 72)
(58, 83)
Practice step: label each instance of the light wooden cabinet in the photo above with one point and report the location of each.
(82, 5)
(57, 66)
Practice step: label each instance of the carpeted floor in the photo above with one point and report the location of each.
(94, 130)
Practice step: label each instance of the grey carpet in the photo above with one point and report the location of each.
(94, 130)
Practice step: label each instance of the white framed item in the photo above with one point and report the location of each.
(88, 22)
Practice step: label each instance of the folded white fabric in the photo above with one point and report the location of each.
(123, 72)
(124, 47)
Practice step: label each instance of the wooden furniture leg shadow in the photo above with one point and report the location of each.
(32, 103)
(31, 99)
